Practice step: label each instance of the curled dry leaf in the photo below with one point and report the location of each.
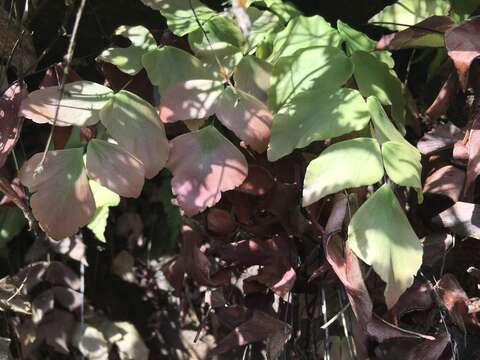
(79, 105)
(10, 123)
(220, 222)
(435, 247)
(259, 327)
(444, 98)
(441, 137)
(447, 181)
(427, 33)
(114, 168)
(463, 46)
(417, 298)
(134, 123)
(429, 349)
(461, 218)
(204, 164)
(61, 200)
(258, 182)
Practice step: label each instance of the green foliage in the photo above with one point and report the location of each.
(12, 221)
(380, 234)
(104, 199)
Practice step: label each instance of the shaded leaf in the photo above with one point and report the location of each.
(473, 164)
(461, 218)
(10, 123)
(304, 32)
(429, 349)
(326, 67)
(114, 168)
(61, 200)
(12, 222)
(402, 164)
(441, 137)
(220, 222)
(342, 166)
(427, 33)
(182, 67)
(204, 164)
(444, 98)
(391, 247)
(316, 115)
(134, 123)
(90, 342)
(435, 247)
(129, 59)
(384, 128)
(447, 181)
(463, 47)
(252, 76)
(374, 78)
(79, 106)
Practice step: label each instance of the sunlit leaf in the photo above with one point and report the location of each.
(204, 164)
(135, 124)
(381, 235)
(61, 200)
(114, 168)
(246, 116)
(79, 106)
(181, 66)
(252, 75)
(104, 199)
(347, 164)
(326, 67)
(263, 23)
(304, 32)
(373, 77)
(402, 164)
(192, 99)
(384, 128)
(129, 59)
(182, 15)
(461, 219)
(220, 29)
(316, 115)
(127, 339)
(409, 12)
(358, 41)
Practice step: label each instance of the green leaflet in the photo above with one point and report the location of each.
(104, 199)
(181, 66)
(380, 234)
(410, 12)
(373, 77)
(12, 221)
(343, 165)
(402, 164)
(323, 66)
(129, 60)
(316, 115)
(384, 130)
(357, 41)
(304, 32)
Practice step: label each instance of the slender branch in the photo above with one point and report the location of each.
(405, 25)
(66, 69)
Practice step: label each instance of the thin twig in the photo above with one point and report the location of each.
(66, 69)
(405, 25)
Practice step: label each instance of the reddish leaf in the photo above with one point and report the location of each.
(220, 222)
(427, 33)
(435, 247)
(429, 349)
(114, 168)
(62, 201)
(463, 45)
(441, 137)
(261, 326)
(174, 272)
(192, 99)
(246, 116)
(10, 123)
(417, 298)
(278, 276)
(447, 181)
(455, 300)
(460, 152)
(258, 182)
(204, 164)
(57, 329)
(473, 165)
(196, 263)
(54, 74)
(444, 98)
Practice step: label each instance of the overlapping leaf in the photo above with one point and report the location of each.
(104, 199)
(343, 165)
(402, 164)
(204, 164)
(135, 125)
(316, 115)
(391, 247)
(79, 105)
(61, 200)
(252, 75)
(129, 59)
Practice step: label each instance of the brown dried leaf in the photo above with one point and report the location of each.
(441, 137)
(462, 218)
(447, 181)
(444, 98)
